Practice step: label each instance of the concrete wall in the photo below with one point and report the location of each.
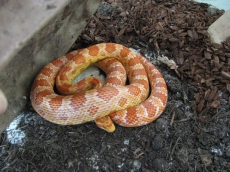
(33, 33)
(220, 30)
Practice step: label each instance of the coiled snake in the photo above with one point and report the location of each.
(126, 105)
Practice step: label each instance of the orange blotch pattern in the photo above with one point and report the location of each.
(124, 52)
(43, 83)
(122, 101)
(163, 97)
(131, 115)
(134, 90)
(161, 85)
(64, 75)
(57, 63)
(150, 108)
(40, 82)
(104, 95)
(78, 101)
(47, 71)
(113, 80)
(151, 67)
(69, 56)
(93, 51)
(157, 75)
(118, 69)
(143, 83)
(110, 48)
(40, 95)
(63, 89)
(79, 59)
(139, 72)
(132, 62)
(56, 102)
(110, 62)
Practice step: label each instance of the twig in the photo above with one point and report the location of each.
(172, 119)
(182, 120)
(174, 147)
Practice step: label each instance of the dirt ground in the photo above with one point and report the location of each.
(191, 135)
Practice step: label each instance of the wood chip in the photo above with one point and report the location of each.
(215, 104)
(212, 93)
(225, 74)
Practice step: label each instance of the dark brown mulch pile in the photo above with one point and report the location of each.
(179, 29)
(193, 132)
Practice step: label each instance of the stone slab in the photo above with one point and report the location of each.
(220, 29)
(33, 33)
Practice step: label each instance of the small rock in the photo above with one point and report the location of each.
(227, 150)
(161, 124)
(161, 164)
(136, 164)
(212, 10)
(157, 142)
(152, 154)
(105, 166)
(91, 138)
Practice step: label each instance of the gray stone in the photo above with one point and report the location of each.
(33, 33)
(219, 30)
(227, 150)
(157, 142)
(136, 164)
(161, 164)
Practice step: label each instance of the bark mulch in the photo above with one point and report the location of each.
(193, 132)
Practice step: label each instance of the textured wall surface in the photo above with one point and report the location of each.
(220, 29)
(33, 33)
